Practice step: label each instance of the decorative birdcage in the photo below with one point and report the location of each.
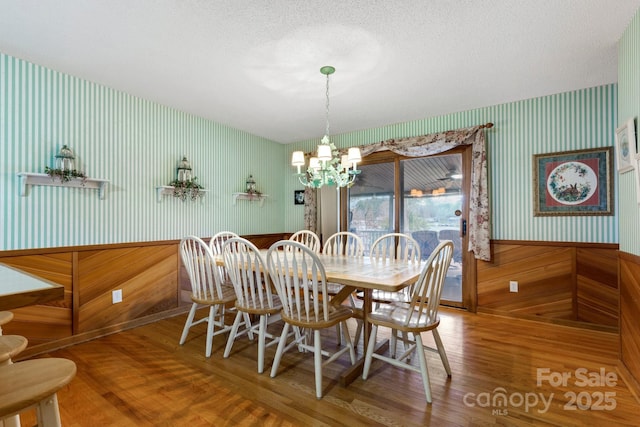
(184, 170)
(185, 185)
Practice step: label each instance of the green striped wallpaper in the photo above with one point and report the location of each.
(629, 106)
(135, 144)
(567, 121)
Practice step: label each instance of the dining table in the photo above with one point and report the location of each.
(19, 289)
(367, 274)
(364, 274)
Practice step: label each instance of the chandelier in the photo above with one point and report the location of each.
(328, 167)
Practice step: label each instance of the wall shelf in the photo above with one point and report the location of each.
(250, 197)
(167, 190)
(27, 179)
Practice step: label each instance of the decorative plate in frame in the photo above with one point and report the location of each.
(576, 182)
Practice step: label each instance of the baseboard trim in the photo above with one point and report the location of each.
(91, 335)
(563, 322)
(629, 379)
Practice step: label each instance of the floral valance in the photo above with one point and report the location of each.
(425, 145)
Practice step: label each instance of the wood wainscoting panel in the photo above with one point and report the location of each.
(264, 241)
(50, 321)
(545, 276)
(147, 276)
(629, 309)
(597, 286)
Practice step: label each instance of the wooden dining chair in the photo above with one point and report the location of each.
(207, 289)
(254, 295)
(344, 244)
(301, 282)
(419, 315)
(307, 238)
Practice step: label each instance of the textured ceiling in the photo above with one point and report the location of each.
(254, 64)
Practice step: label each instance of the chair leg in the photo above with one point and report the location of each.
(356, 340)
(187, 324)
(423, 367)
(339, 333)
(443, 354)
(347, 340)
(261, 342)
(12, 421)
(232, 335)
(393, 343)
(280, 350)
(317, 358)
(247, 324)
(210, 328)
(405, 338)
(47, 412)
(370, 348)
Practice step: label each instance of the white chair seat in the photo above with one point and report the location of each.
(335, 315)
(395, 315)
(226, 296)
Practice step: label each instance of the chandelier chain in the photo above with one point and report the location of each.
(329, 167)
(326, 132)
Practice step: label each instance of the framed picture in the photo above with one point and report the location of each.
(298, 197)
(576, 182)
(626, 146)
(637, 177)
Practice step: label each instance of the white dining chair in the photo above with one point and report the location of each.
(307, 238)
(215, 244)
(254, 296)
(301, 283)
(344, 244)
(218, 240)
(418, 315)
(207, 289)
(398, 247)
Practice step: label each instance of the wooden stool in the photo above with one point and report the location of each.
(10, 346)
(5, 317)
(34, 384)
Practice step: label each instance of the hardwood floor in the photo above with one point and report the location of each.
(142, 377)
